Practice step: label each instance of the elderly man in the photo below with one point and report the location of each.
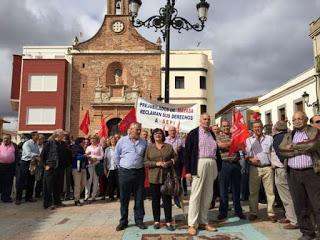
(302, 148)
(315, 121)
(202, 161)
(230, 174)
(9, 156)
(25, 179)
(129, 156)
(258, 148)
(39, 183)
(281, 178)
(53, 158)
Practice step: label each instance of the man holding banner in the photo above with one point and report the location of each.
(202, 161)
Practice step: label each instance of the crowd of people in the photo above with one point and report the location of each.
(286, 164)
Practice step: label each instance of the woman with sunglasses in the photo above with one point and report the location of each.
(159, 158)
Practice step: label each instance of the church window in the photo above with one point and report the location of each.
(118, 7)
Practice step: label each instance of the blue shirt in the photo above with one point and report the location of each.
(30, 150)
(130, 155)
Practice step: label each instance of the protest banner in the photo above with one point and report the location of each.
(153, 114)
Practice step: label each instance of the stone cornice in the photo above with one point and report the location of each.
(114, 52)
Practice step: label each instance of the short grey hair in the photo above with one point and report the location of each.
(134, 125)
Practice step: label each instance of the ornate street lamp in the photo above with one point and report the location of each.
(167, 18)
(315, 104)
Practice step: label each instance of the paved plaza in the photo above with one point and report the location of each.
(98, 221)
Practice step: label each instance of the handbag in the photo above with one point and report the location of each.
(171, 185)
(99, 168)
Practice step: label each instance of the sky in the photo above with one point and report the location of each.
(257, 44)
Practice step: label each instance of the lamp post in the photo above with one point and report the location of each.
(167, 18)
(315, 104)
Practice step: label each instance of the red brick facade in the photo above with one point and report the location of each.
(97, 57)
(43, 99)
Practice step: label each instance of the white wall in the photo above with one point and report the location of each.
(286, 95)
(193, 59)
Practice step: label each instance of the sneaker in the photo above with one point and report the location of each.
(18, 202)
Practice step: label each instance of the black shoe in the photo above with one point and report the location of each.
(18, 202)
(9, 200)
(156, 226)
(61, 205)
(31, 200)
(241, 216)
(170, 228)
(221, 217)
(252, 217)
(121, 227)
(306, 237)
(77, 203)
(53, 207)
(142, 226)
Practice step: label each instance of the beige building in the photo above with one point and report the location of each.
(191, 78)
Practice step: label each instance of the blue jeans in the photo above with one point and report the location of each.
(230, 175)
(131, 181)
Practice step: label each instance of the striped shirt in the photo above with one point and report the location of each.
(304, 160)
(207, 144)
(225, 138)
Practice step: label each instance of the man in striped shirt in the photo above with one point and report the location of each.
(302, 148)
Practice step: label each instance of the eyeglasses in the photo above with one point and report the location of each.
(158, 133)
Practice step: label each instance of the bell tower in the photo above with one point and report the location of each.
(117, 7)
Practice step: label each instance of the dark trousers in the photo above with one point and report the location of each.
(244, 186)
(102, 185)
(39, 187)
(166, 200)
(230, 175)
(52, 184)
(113, 183)
(7, 172)
(131, 181)
(304, 187)
(24, 181)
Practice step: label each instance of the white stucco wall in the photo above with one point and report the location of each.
(193, 60)
(287, 95)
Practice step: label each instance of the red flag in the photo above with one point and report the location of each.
(128, 119)
(103, 133)
(84, 126)
(239, 134)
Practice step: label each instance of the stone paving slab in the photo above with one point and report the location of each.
(98, 221)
